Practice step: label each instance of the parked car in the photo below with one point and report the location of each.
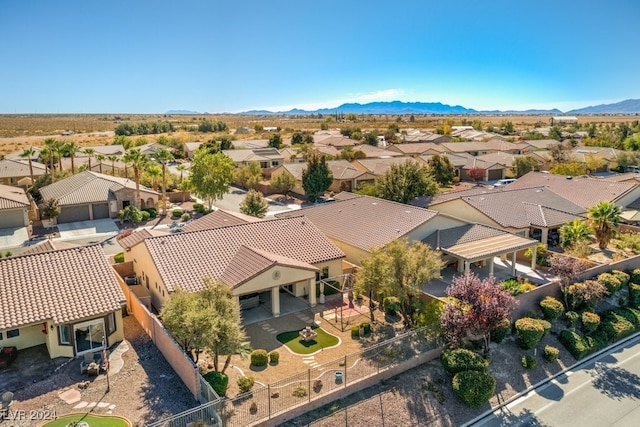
(503, 182)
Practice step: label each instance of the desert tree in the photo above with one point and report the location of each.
(566, 269)
(249, 175)
(604, 218)
(477, 307)
(275, 140)
(442, 169)
(374, 275)
(476, 174)
(153, 171)
(283, 183)
(405, 181)
(211, 176)
(254, 204)
(525, 164)
(569, 169)
(317, 176)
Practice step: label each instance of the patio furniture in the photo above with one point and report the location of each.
(91, 364)
(308, 334)
(5, 404)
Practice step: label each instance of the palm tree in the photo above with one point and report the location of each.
(604, 218)
(153, 171)
(89, 152)
(574, 232)
(100, 158)
(181, 168)
(137, 160)
(163, 156)
(113, 159)
(72, 148)
(52, 149)
(28, 153)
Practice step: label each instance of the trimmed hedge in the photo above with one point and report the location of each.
(551, 353)
(391, 305)
(461, 359)
(218, 381)
(177, 213)
(552, 308)
(355, 331)
(259, 357)
(590, 321)
(611, 282)
(274, 357)
(475, 388)
(499, 334)
(572, 317)
(622, 276)
(631, 314)
(634, 294)
(529, 362)
(246, 383)
(616, 327)
(529, 332)
(575, 343)
(635, 275)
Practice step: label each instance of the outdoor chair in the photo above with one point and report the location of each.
(85, 362)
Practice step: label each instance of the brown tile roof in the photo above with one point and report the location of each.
(48, 246)
(381, 166)
(417, 147)
(184, 259)
(372, 151)
(248, 262)
(138, 236)
(584, 192)
(364, 222)
(10, 168)
(219, 218)
(473, 191)
(64, 286)
(13, 197)
(88, 187)
(337, 141)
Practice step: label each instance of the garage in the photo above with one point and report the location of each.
(100, 210)
(495, 174)
(12, 218)
(73, 214)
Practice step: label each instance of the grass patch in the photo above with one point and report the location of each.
(298, 345)
(92, 420)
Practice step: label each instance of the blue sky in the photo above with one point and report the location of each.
(135, 56)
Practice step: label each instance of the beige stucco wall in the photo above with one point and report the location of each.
(266, 279)
(627, 199)
(463, 210)
(29, 336)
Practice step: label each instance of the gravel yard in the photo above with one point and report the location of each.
(146, 389)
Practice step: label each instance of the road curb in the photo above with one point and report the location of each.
(579, 363)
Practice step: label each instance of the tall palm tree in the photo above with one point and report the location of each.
(100, 158)
(164, 156)
(113, 159)
(89, 153)
(153, 171)
(604, 218)
(137, 161)
(71, 148)
(28, 153)
(181, 168)
(52, 149)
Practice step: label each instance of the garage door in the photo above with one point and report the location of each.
(495, 174)
(11, 218)
(73, 213)
(101, 211)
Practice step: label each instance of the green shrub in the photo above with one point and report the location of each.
(575, 343)
(529, 362)
(631, 314)
(616, 327)
(551, 353)
(611, 282)
(119, 258)
(185, 216)
(634, 294)
(546, 325)
(391, 305)
(623, 300)
(274, 357)
(515, 287)
(461, 359)
(246, 383)
(499, 333)
(259, 357)
(590, 321)
(199, 207)
(622, 277)
(153, 212)
(355, 331)
(299, 391)
(529, 331)
(597, 341)
(177, 213)
(475, 388)
(572, 317)
(551, 308)
(366, 326)
(144, 216)
(218, 381)
(380, 296)
(634, 275)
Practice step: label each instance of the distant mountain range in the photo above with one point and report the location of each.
(629, 106)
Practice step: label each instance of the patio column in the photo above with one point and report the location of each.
(275, 301)
(466, 267)
(237, 298)
(513, 264)
(460, 265)
(533, 257)
(491, 266)
(545, 235)
(312, 292)
(321, 292)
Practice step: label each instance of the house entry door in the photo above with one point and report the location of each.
(89, 336)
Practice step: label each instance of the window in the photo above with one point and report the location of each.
(111, 323)
(264, 165)
(14, 333)
(325, 272)
(64, 333)
(89, 336)
(1, 336)
(275, 163)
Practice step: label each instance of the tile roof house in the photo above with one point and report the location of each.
(346, 177)
(219, 218)
(492, 170)
(493, 145)
(417, 148)
(14, 207)
(14, 172)
(371, 151)
(263, 256)
(338, 141)
(91, 195)
(378, 167)
(68, 299)
(584, 192)
(268, 158)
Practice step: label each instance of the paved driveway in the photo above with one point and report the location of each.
(98, 227)
(12, 237)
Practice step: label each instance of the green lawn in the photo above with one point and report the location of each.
(92, 420)
(296, 344)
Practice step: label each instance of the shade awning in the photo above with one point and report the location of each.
(489, 247)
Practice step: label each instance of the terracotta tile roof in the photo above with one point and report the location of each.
(584, 192)
(491, 145)
(364, 222)
(184, 259)
(477, 162)
(13, 197)
(541, 144)
(64, 286)
(248, 262)
(381, 166)
(372, 151)
(417, 147)
(88, 187)
(219, 218)
(501, 158)
(48, 246)
(337, 141)
(451, 195)
(10, 168)
(341, 169)
(138, 236)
